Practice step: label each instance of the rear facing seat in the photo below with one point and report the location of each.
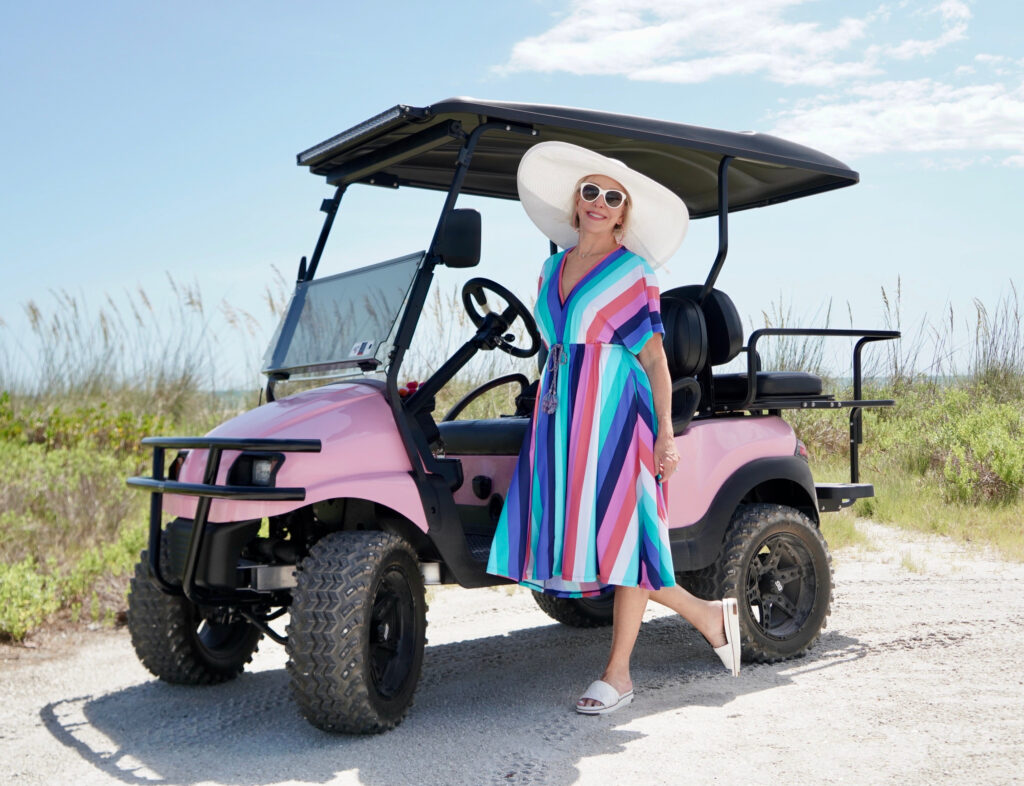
(724, 334)
(733, 387)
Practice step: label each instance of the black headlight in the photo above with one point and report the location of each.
(255, 469)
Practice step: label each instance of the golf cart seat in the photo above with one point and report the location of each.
(686, 349)
(484, 437)
(724, 341)
(733, 387)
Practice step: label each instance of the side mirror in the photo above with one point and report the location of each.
(458, 244)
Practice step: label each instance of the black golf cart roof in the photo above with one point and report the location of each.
(419, 147)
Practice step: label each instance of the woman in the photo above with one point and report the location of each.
(586, 507)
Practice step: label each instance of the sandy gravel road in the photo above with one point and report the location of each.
(918, 679)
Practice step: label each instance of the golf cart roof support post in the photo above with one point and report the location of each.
(421, 285)
(420, 456)
(462, 168)
(330, 207)
(723, 227)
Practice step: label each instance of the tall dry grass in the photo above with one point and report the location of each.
(949, 456)
(171, 354)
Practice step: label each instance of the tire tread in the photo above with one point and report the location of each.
(159, 628)
(327, 631)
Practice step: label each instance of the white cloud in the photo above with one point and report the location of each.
(955, 16)
(692, 41)
(869, 107)
(920, 116)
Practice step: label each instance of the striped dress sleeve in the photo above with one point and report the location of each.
(646, 320)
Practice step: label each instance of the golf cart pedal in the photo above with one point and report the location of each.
(479, 546)
(835, 496)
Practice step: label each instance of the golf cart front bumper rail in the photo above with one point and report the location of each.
(158, 485)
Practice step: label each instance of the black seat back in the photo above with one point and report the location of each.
(686, 349)
(722, 321)
(686, 335)
(725, 341)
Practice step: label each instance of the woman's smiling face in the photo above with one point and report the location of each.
(596, 217)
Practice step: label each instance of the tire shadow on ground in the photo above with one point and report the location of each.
(496, 709)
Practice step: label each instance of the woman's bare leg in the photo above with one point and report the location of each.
(630, 603)
(704, 615)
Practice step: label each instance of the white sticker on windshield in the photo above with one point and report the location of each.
(361, 349)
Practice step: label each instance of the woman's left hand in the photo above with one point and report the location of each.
(666, 457)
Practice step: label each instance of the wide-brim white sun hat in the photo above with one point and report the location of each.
(548, 173)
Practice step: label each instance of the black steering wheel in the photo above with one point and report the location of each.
(476, 289)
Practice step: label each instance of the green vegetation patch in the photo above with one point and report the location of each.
(56, 503)
(947, 460)
(70, 528)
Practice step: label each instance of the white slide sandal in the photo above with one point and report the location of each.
(730, 652)
(610, 698)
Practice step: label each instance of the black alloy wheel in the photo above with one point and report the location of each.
(781, 585)
(392, 634)
(776, 564)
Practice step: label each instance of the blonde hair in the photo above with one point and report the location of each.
(574, 220)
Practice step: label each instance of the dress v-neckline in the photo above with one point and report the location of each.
(562, 302)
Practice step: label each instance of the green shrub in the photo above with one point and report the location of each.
(970, 442)
(93, 580)
(95, 425)
(57, 502)
(115, 559)
(985, 458)
(27, 598)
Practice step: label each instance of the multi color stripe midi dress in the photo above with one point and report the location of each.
(584, 510)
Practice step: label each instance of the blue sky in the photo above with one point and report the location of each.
(141, 139)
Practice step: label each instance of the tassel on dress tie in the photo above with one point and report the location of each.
(557, 357)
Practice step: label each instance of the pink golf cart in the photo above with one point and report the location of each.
(337, 505)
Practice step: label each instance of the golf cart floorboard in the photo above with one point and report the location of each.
(835, 496)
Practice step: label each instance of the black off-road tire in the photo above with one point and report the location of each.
(357, 632)
(578, 612)
(183, 643)
(776, 564)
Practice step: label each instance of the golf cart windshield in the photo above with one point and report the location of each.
(342, 325)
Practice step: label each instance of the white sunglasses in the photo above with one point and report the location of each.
(589, 192)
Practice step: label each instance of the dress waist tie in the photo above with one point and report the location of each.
(556, 358)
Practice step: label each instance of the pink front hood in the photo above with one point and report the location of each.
(362, 454)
